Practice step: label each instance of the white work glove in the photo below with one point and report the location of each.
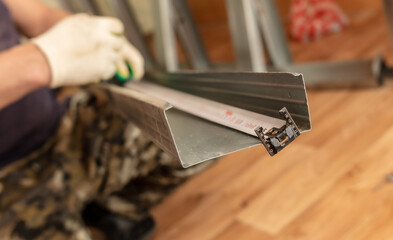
(83, 49)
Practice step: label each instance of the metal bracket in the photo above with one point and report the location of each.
(277, 139)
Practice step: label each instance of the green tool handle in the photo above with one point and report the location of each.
(123, 78)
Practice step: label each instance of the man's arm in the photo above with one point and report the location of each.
(79, 50)
(33, 17)
(23, 69)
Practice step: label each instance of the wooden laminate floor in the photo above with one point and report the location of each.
(329, 184)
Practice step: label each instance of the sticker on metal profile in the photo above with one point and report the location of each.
(276, 139)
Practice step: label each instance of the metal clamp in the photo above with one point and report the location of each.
(277, 139)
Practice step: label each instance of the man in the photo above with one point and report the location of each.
(56, 157)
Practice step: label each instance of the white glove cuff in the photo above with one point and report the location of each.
(51, 56)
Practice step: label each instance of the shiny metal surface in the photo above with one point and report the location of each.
(354, 73)
(199, 140)
(273, 32)
(194, 140)
(189, 36)
(246, 38)
(164, 35)
(190, 139)
(220, 113)
(264, 93)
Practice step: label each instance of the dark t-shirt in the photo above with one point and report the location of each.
(25, 125)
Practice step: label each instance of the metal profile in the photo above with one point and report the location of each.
(226, 115)
(353, 73)
(194, 140)
(132, 31)
(189, 37)
(164, 35)
(245, 35)
(264, 93)
(191, 139)
(273, 33)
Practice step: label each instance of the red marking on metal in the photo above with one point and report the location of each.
(239, 121)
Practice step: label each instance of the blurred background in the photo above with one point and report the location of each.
(332, 183)
(212, 22)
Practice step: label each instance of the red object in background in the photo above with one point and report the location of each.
(312, 19)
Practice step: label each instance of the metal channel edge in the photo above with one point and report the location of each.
(264, 93)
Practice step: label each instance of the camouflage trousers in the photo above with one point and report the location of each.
(96, 155)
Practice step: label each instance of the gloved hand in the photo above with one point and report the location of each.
(82, 49)
(131, 56)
